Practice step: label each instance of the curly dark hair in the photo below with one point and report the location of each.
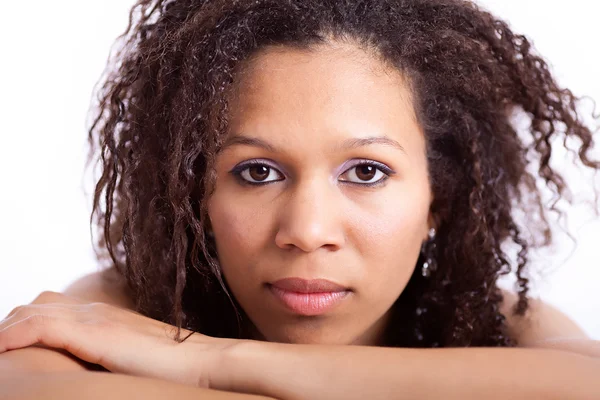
(162, 117)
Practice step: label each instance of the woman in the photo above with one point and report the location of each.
(283, 178)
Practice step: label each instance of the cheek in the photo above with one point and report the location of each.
(230, 228)
(389, 241)
(393, 223)
(239, 229)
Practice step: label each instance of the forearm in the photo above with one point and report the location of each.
(102, 385)
(293, 372)
(40, 359)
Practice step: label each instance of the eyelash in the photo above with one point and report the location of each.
(238, 169)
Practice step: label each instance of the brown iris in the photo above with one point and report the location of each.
(365, 172)
(259, 172)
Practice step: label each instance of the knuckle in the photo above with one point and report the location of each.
(47, 296)
(16, 311)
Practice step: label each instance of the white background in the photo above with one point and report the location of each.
(52, 54)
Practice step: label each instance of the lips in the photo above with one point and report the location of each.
(308, 297)
(299, 285)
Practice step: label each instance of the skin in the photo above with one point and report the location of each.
(316, 218)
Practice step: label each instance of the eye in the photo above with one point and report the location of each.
(367, 173)
(256, 172)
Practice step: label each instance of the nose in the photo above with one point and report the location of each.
(311, 218)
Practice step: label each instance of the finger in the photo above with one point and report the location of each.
(47, 297)
(89, 332)
(13, 312)
(38, 315)
(77, 338)
(94, 332)
(23, 312)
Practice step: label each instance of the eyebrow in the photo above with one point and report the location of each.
(347, 144)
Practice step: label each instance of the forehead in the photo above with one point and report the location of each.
(332, 89)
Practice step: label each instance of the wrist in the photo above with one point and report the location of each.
(240, 366)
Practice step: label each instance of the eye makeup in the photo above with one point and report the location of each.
(240, 170)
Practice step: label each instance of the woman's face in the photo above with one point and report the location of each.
(323, 176)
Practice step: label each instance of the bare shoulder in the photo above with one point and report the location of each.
(105, 286)
(545, 326)
(541, 322)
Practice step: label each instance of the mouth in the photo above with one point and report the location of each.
(308, 297)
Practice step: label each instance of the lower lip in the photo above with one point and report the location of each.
(309, 303)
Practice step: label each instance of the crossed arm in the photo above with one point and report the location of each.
(293, 372)
(568, 370)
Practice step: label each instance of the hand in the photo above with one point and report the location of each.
(120, 340)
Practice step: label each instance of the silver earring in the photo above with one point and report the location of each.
(428, 252)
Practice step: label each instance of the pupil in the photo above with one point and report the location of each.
(365, 172)
(259, 172)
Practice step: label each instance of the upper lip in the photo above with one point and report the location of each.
(300, 285)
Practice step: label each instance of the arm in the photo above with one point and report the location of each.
(38, 359)
(38, 372)
(100, 385)
(291, 372)
(473, 373)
